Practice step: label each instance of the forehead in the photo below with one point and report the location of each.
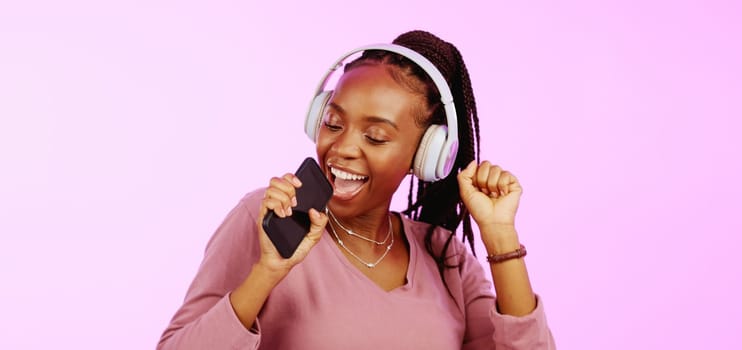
(370, 90)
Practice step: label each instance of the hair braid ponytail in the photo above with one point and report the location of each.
(437, 203)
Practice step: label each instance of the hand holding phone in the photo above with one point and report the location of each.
(286, 233)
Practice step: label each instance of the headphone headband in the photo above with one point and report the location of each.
(438, 147)
(422, 62)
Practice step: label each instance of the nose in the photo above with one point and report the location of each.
(346, 145)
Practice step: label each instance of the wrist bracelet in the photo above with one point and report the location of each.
(516, 254)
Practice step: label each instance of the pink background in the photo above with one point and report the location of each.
(129, 129)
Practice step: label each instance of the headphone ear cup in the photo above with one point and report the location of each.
(425, 165)
(447, 159)
(314, 116)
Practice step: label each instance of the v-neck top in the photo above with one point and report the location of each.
(325, 302)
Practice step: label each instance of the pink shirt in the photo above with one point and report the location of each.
(326, 303)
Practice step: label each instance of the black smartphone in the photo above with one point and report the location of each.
(315, 191)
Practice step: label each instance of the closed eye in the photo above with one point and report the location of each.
(332, 127)
(375, 141)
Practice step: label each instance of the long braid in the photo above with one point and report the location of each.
(438, 203)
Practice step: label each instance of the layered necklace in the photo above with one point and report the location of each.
(353, 234)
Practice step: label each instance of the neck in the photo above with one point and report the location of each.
(374, 226)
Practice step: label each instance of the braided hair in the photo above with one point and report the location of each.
(437, 203)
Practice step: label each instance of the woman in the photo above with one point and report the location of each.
(365, 277)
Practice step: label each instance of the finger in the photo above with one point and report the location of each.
(495, 172)
(513, 184)
(276, 206)
(468, 172)
(465, 181)
(279, 200)
(294, 180)
(318, 221)
(285, 184)
(488, 179)
(480, 178)
(277, 194)
(503, 183)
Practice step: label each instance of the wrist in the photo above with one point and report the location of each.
(500, 238)
(499, 258)
(269, 275)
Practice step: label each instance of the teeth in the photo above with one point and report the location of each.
(346, 175)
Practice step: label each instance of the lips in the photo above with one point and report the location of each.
(346, 184)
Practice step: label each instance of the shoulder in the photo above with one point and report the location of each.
(248, 205)
(418, 230)
(239, 223)
(253, 198)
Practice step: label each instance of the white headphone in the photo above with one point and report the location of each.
(437, 150)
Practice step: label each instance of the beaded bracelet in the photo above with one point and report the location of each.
(516, 254)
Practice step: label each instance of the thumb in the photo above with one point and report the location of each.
(318, 221)
(466, 175)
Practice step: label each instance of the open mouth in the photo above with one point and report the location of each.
(346, 184)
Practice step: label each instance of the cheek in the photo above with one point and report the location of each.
(395, 162)
(406, 153)
(323, 142)
(321, 151)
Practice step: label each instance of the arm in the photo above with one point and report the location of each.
(513, 288)
(492, 195)
(248, 299)
(206, 318)
(240, 269)
(486, 328)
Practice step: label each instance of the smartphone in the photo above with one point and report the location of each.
(315, 191)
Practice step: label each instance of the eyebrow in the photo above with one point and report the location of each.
(375, 119)
(372, 119)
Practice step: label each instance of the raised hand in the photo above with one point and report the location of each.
(280, 196)
(491, 195)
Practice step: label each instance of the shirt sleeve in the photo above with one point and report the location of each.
(206, 320)
(526, 332)
(486, 328)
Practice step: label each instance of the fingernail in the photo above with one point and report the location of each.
(314, 213)
(288, 211)
(296, 181)
(294, 202)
